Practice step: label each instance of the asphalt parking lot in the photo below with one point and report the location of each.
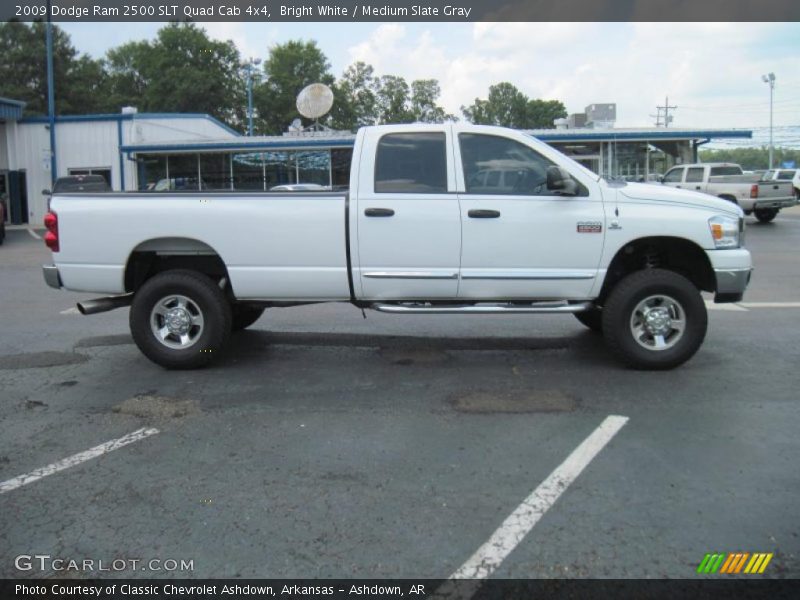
(327, 445)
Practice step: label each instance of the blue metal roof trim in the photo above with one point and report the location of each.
(611, 135)
(129, 117)
(242, 145)
(11, 109)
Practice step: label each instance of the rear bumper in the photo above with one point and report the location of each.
(784, 202)
(51, 276)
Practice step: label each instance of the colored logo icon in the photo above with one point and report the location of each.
(732, 563)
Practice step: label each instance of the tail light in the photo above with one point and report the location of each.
(51, 237)
(754, 190)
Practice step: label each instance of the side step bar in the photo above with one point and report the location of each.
(482, 309)
(98, 305)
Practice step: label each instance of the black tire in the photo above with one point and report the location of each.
(680, 300)
(243, 316)
(201, 296)
(592, 318)
(766, 215)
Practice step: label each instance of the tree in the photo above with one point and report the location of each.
(393, 98)
(509, 107)
(424, 94)
(182, 70)
(355, 100)
(80, 82)
(289, 68)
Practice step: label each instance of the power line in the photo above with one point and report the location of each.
(665, 110)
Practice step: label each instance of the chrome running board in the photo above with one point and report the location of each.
(481, 308)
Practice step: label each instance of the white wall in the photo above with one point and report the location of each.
(95, 144)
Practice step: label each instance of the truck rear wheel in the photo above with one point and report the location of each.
(766, 215)
(654, 319)
(243, 316)
(180, 319)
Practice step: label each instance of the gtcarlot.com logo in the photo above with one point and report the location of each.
(732, 563)
(46, 562)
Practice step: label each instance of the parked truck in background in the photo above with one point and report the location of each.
(754, 195)
(792, 175)
(438, 219)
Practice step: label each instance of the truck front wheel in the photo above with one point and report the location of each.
(180, 319)
(654, 319)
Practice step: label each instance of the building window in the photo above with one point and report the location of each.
(341, 158)
(152, 169)
(314, 167)
(215, 171)
(248, 171)
(279, 168)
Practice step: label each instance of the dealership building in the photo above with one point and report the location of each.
(146, 151)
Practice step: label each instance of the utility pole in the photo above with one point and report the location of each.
(51, 101)
(249, 66)
(666, 108)
(770, 79)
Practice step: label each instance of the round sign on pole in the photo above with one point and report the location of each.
(314, 100)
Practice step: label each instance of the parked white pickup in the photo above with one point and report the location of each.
(445, 218)
(727, 181)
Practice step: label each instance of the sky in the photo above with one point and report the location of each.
(710, 71)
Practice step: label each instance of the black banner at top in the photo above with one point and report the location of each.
(400, 10)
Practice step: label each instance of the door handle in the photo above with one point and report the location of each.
(378, 212)
(697, 187)
(481, 213)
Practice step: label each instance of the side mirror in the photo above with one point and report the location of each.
(560, 181)
(46, 192)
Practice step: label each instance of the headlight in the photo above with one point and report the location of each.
(724, 231)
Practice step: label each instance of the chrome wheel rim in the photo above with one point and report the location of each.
(176, 322)
(658, 322)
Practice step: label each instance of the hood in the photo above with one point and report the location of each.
(664, 194)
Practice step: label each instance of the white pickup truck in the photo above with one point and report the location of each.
(443, 219)
(755, 195)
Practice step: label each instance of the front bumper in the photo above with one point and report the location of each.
(732, 269)
(51, 276)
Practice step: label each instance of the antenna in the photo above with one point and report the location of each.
(314, 101)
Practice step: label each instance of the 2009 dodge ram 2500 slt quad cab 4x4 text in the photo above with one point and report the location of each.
(451, 219)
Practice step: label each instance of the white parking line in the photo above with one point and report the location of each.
(34, 234)
(71, 311)
(710, 305)
(520, 522)
(76, 459)
(770, 304)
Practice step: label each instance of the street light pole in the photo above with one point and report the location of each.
(250, 64)
(770, 79)
(51, 101)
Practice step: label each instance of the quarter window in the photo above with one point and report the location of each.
(501, 166)
(411, 163)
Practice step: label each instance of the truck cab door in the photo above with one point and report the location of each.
(407, 220)
(519, 239)
(674, 177)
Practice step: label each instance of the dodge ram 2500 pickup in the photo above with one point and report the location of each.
(441, 219)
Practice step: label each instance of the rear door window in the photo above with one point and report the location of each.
(694, 174)
(411, 163)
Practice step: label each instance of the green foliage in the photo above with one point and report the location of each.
(355, 101)
(289, 68)
(79, 81)
(507, 106)
(751, 158)
(182, 70)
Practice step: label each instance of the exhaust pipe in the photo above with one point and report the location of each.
(98, 305)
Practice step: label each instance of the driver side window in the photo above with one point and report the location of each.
(500, 166)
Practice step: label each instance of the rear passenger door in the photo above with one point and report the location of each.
(694, 178)
(408, 223)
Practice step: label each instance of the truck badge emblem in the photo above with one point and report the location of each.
(590, 227)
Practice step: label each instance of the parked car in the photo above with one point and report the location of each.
(792, 175)
(412, 236)
(764, 199)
